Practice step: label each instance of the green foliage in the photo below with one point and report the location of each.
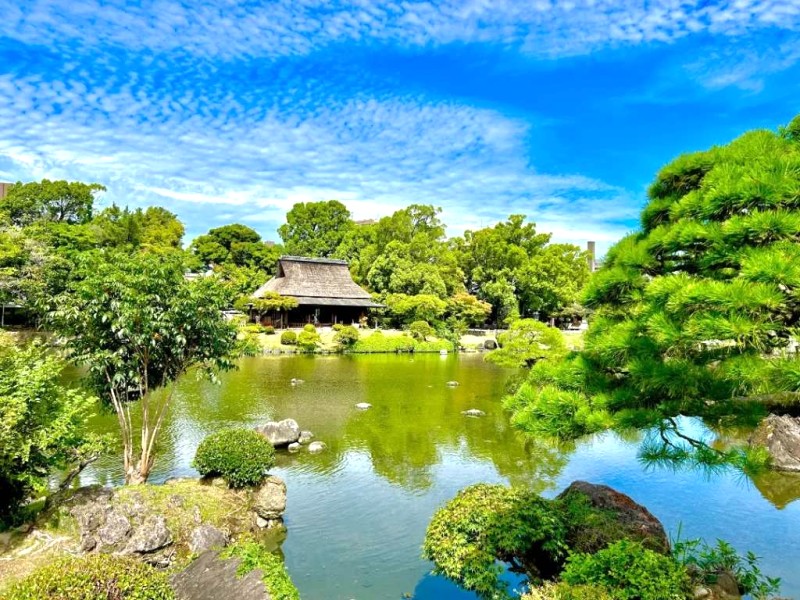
(563, 591)
(138, 325)
(484, 524)
(51, 201)
(695, 312)
(273, 572)
(269, 330)
(43, 425)
(308, 340)
(526, 342)
(706, 562)
(238, 246)
(422, 307)
(420, 330)
(315, 229)
(630, 572)
(269, 302)
(346, 336)
(377, 342)
(337, 327)
(289, 338)
(468, 310)
(94, 577)
(241, 457)
(310, 328)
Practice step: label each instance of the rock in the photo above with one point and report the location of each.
(281, 433)
(452, 384)
(780, 435)
(294, 447)
(473, 412)
(443, 352)
(88, 543)
(268, 523)
(206, 537)
(305, 437)
(150, 536)
(296, 381)
(211, 578)
(620, 518)
(724, 588)
(269, 500)
(363, 405)
(115, 529)
(316, 447)
(490, 345)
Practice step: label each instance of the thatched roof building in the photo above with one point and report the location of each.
(324, 290)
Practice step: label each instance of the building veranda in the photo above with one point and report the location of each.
(324, 290)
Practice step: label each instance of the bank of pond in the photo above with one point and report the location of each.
(399, 441)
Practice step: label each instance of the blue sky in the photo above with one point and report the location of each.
(233, 110)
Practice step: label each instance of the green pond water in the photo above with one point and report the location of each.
(357, 513)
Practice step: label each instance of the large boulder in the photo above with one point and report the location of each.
(600, 515)
(280, 433)
(269, 500)
(115, 529)
(780, 435)
(212, 578)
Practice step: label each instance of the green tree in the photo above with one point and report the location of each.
(43, 425)
(138, 325)
(58, 201)
(526, 342)
(468, 310)
(315, 228)
(422, 307)
(215, 247)
(695, 314)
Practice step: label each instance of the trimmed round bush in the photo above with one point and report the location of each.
(309, 328)
(94, 577)
(346, 336)
(288, 338)
(241, 457)
(308, 340)
(337, 326)
(421, 330)
(269, 330)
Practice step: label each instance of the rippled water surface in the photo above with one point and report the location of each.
(357, 513)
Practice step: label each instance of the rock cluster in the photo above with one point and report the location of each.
(287, 434)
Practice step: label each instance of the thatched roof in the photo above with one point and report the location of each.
(317, 281)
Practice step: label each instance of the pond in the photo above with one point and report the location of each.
(357, 513)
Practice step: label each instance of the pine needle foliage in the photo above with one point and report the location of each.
(696, 314)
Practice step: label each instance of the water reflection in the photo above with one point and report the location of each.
(357, 513)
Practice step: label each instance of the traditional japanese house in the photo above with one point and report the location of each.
(324, 289)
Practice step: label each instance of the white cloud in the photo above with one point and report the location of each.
(239, 28)
(222, 154)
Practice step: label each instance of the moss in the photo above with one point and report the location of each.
(181, 501)
(273, 572)
(93, 577)
(565, 591)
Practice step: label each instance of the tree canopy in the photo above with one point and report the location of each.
(54, 201)
(696, 313)
(315, 228)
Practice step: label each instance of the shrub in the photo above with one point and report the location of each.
(630, 572)
(309, 328)
(420, 330)
(563, 591)
(249, 345)
(240, 456)
(308, 340)
(346, 336)
(288, 338)
(269, 330)
(337, 326)
(253, 328)
(526, 342)
(94, 577)
(485, 524)
(273, 573)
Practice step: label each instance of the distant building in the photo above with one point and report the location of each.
(591, 256)
(4, 187)
(324, 289)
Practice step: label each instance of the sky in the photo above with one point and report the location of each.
(233, 110)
